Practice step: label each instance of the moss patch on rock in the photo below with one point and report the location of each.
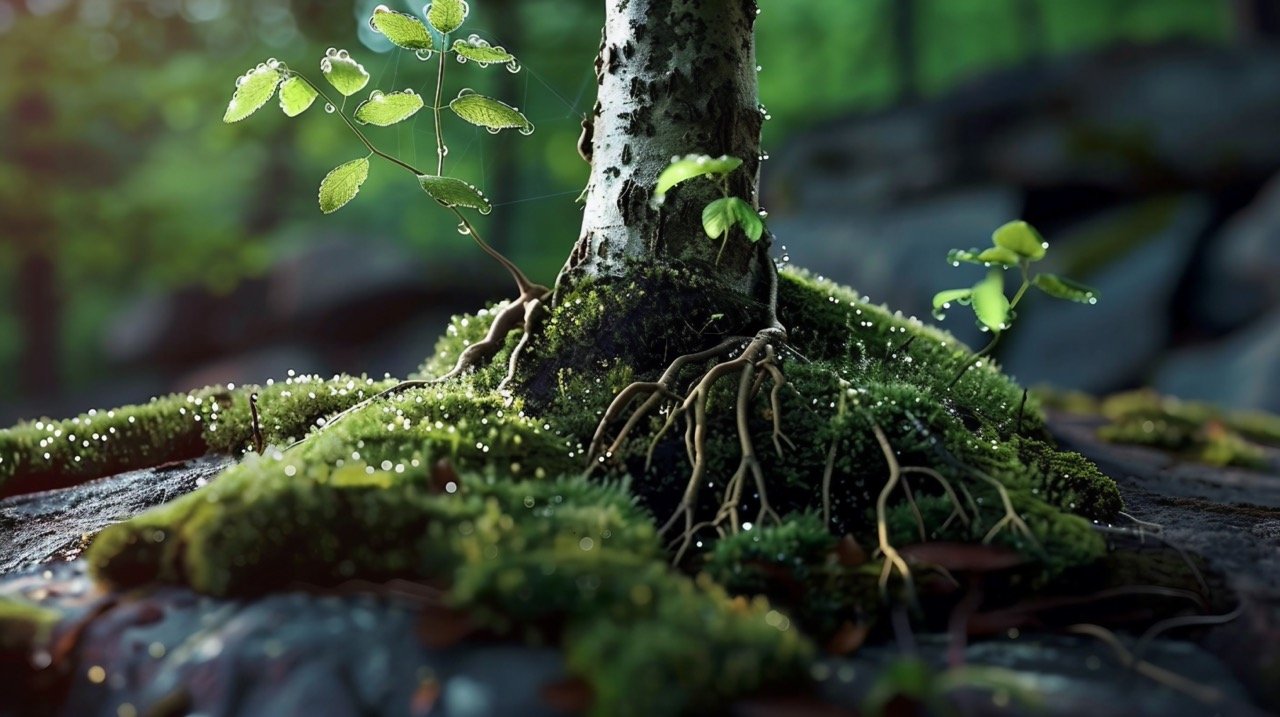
(46, 453)
(482, 493)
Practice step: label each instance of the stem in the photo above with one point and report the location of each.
(435, 109)
(526, 287)
(1026, 284)
(976, 358)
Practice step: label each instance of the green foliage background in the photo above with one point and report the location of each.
(114, 161)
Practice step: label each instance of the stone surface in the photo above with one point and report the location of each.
(1242, 264)
(41, 527)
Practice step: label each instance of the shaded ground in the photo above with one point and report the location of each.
(392, 649)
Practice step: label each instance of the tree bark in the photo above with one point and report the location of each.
(674, 77)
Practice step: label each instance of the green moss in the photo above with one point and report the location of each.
(1199, 431)
(45, 453)
(795, 565)
(24, 626)
(527, 552)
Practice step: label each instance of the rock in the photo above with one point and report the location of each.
(39, 527)
(1242, 264)
(168, 651)
(1104, 348)
(1239, 371)
(1068, 675)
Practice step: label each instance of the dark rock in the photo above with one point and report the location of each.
(1241, 370)
(1242, 265)
(296, 653)
(39, 527)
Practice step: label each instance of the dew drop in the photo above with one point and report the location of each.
(462, 59)
(463, 229)
(513, 67)
(492, 130)
(328, 107)
(527, 130)
(423, 55)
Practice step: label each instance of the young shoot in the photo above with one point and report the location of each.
(1018, 245)
(345, 75)
(722, 215)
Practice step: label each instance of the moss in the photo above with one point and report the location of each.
(44, 454)
(527, 552)
(795, 564)
(1199, 431)
(24, 626)
(463, 331)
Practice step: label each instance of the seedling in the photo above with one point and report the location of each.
(347, 76)
(1014, 245)
(721, 216)
(344, 74)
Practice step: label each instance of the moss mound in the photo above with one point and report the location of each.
(483, 494)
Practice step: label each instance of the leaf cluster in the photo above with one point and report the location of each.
(722, 215)
(1016, 244)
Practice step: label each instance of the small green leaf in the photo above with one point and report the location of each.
(719, 216)
(296, 96)
(343, 72)
(253, 89)
(955, 256)
(943, 299)
(1022, 239)
(342, 184)
(999, 255)
(1061, 287)
(989, 301)
(402, 30)
(748, 219)
(690, 166)
(383, 110)
(454, 192)
(447, 15)
(489, 113)
(484, 54)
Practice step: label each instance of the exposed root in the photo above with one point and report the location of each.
(892, 559)
(1201, 693)
(521, 313)
(756, 364)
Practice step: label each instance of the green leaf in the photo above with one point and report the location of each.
(748, 219)
(719, 216)
(489, 113)
(253, 89)
(296, 96)
(344, 73)
(943, 299)
(999, 255)
(484, 54)
(1061, 287)
(690, 166)
(342, 184)
(383, 110)
(447, 15)
(1022, 239)
(989, 301)
(402, 30)
(454, 192)
(955, 256)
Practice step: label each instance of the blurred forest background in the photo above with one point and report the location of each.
(146, 247)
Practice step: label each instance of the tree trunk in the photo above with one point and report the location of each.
(674, 77)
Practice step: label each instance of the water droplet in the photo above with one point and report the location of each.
(527, 130)
(462, 59)
(343, 54)
(463, 229)
(513, 67)
(331, 52)
(328, 107)
(423, 55)
(375, 95)
(492, 130)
